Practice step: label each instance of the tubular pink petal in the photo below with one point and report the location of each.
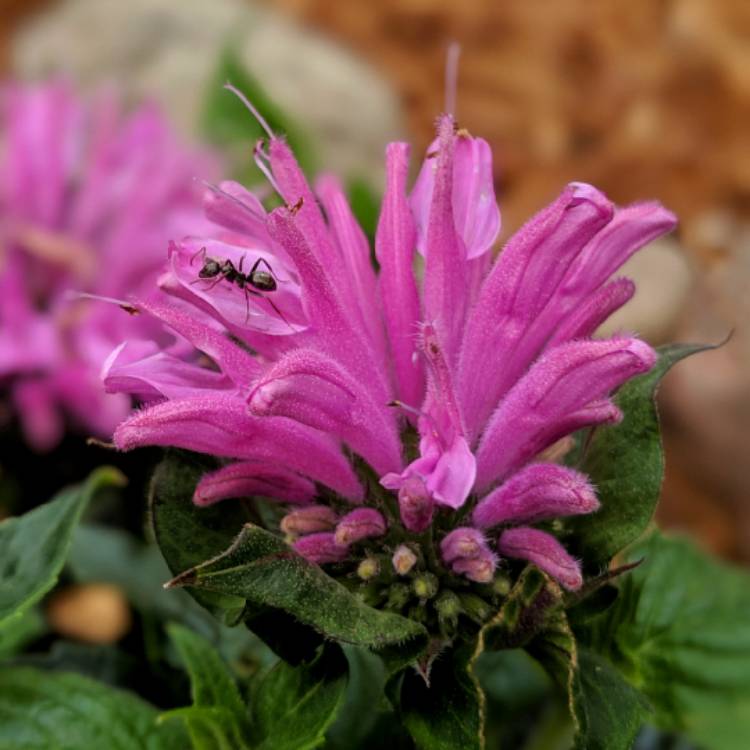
(550, 397)
(584, 320)
(394, 248)
(632, 228)
(445, 288)
(545, 552)
(536, 493)
(236, 363)
(151, 375)
(497, 345)
(313, 389)
(248, 478)
(359, 524)
(221, 426)
(475, 210)
(320, 548)
(334, 330)
(354, 251)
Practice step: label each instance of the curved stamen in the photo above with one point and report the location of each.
(451, 77)
(253, 111)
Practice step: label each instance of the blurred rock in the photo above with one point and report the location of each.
(663, 279)
(94, 612)
(168, 49)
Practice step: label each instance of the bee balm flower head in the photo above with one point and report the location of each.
(424, 404)
(87, 200)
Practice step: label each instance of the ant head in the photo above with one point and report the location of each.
(210, 269)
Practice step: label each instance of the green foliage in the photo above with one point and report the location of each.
(226, 122)
(57, 711)
(446, 711)
(294, 706)
(680, 632)
(33, 547)
(263, 570)
(217, 720)
(626, 465)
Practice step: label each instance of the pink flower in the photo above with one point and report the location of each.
(448, 388)
(88, 199)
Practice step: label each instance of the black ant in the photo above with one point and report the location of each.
(254, 282)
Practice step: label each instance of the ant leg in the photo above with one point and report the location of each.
(273, 305)
(210, 286)
(195, 255)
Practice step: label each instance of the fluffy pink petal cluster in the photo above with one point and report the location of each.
(88, 199)
(484, 364)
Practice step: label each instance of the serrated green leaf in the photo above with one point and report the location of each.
(447, 714)
(607, 712)
(626, 465)
(262, 569)
(56, 711)
(680, 631)
(218, 718)
(33, 546)
(294, 706)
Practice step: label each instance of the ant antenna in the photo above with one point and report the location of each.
(451, 77)
(253, 111)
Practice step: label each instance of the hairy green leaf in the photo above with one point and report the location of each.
(294, 706)
(447, 713)
(56, 711)
(262, 569)
(680, 631)
(217, 718)
(626, 464)
(33, 547)
(607, 712)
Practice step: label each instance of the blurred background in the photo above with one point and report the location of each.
(646, 99)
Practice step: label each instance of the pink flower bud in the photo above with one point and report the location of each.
(362, 523)
(468, 554)
(415, 504)
(309, 520)
(463, 542)
(545, 552)
(480, 569)
(403, 560)
(320, 548)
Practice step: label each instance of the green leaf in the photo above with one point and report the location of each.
(448, 713)
(217, 720)
(56, 711)
(680, 631)
(607, 712)
(294, 706)
(262, 569)
(186, 534)
(226, 121)
(364, 695)
(17, 632)
(33, 546)
(626, 465)
(525, 612)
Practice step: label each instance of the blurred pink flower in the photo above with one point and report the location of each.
(483, 364)
(88, 200)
